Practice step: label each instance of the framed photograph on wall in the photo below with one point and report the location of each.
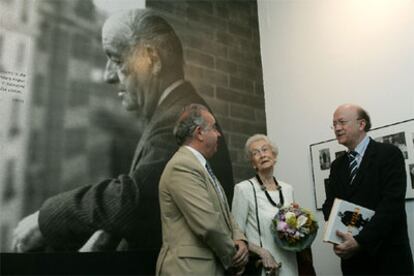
(400, 134)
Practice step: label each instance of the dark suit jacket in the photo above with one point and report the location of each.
(380, 185)
(128, 206)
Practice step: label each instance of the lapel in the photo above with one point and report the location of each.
(367, 161)
(214, 194)
(343, 175)
(159, 113)
(139, 149)
(223, 202)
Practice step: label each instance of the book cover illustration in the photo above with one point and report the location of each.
(346, 217)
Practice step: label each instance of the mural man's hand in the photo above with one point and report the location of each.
(100, 241)
(27, 235)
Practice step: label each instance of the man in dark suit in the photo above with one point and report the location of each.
(378, 183)
(145, 60)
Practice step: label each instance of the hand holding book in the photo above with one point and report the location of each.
(348, 247)
(346, 217)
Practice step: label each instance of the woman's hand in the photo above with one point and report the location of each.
(269, 263)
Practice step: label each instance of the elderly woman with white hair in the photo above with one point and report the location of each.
(257, 200)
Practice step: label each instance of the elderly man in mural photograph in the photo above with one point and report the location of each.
(145, 62)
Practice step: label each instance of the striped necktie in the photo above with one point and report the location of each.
(221, 196)
(353, 165)
(216, 182)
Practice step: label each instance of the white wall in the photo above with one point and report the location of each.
(319, 54)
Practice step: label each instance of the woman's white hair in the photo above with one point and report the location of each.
(258, 137)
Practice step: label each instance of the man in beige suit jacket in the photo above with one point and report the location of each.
(200, 236)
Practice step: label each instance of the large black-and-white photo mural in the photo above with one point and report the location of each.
(86, 122)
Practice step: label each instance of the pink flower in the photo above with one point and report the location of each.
(282, 226)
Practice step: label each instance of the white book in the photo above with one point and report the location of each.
(348, 217)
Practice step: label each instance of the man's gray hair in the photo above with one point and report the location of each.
(146, 26)
(255, 138)
(190, 118)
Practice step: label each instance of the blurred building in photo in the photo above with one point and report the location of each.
(52, 135)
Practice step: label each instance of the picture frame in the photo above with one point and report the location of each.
(401, 134)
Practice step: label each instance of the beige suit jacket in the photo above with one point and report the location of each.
(197, 226)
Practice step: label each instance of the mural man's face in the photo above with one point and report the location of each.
(130, 69)
(131, 66)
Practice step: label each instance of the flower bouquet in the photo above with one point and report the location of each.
(294, 228)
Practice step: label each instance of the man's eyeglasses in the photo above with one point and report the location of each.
(341, 123)
(213, 127)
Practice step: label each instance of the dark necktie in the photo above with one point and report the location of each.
(353, 165)
(215, 182)
(221, 195)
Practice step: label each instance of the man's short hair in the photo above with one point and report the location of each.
(145, 26)
(190, 118)
(363, 114)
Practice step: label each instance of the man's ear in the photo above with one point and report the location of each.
(198, 133)
(363, 124)
(155, 59)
